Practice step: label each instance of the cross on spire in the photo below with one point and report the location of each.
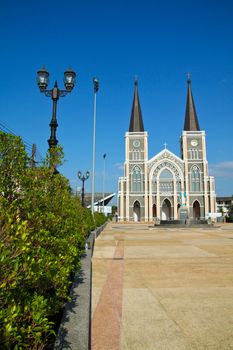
(165, 145)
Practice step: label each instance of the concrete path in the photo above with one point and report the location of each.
(168, 289)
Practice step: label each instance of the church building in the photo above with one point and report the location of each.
(165, 187)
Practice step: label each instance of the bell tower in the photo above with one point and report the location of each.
(198, 185)
(134, 185)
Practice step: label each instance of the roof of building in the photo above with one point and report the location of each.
(136, 121)
(98, 198)
(224, 199)
(191, 121)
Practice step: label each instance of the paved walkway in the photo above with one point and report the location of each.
(168, 289)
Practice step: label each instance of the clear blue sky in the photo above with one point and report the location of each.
(159, 41)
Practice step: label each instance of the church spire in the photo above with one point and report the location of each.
(136, 122)
(191, 121)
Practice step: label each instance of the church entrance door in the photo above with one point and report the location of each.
(196, 210)
(166, 210)
(136, 211)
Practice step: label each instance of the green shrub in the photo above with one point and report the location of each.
(229, 218)
(43, 228)
(100, 219)
(89, 220)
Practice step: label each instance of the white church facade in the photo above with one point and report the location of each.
(165, 187)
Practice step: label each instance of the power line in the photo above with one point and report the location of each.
(5, 128)
(28, 145)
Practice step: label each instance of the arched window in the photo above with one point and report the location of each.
(136, 179)
(166, 182)
(136, 154)
(193, 153)
(195, 179)
(166, 174)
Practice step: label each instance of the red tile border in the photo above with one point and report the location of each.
(106, 322)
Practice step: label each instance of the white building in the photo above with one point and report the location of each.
(224, 205)
(166, 186)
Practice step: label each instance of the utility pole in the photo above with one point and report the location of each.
(96, 88)
(104, 156)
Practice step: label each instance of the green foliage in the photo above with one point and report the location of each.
(88, 218)
(112, 216)
(43, 228)
(114, 209)
(229, 218)
(100, 219)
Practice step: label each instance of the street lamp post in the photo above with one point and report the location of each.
(96, 88)
(83, 178)
(104, 156)
(55, 93)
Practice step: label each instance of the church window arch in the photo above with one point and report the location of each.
(166, 178)
(166, 174)
(193, 154)
(195, 179)
(166, 181)
(136, 154)
(169, 165)
(136, 179)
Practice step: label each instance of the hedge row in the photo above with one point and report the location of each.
(99, 218)
(43, 228)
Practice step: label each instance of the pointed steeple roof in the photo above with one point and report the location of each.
(191, 121)
(136, 122)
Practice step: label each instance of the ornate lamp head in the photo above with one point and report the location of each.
(69, 79)
(42, 78)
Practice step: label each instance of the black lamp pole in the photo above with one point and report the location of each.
(83, 178)
(55, 93)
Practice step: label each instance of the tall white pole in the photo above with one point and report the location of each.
(104, 156)
(96, 87)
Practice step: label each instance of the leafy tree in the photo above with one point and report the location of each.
(43, 228)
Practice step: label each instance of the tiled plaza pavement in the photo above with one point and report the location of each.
(162, 288)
